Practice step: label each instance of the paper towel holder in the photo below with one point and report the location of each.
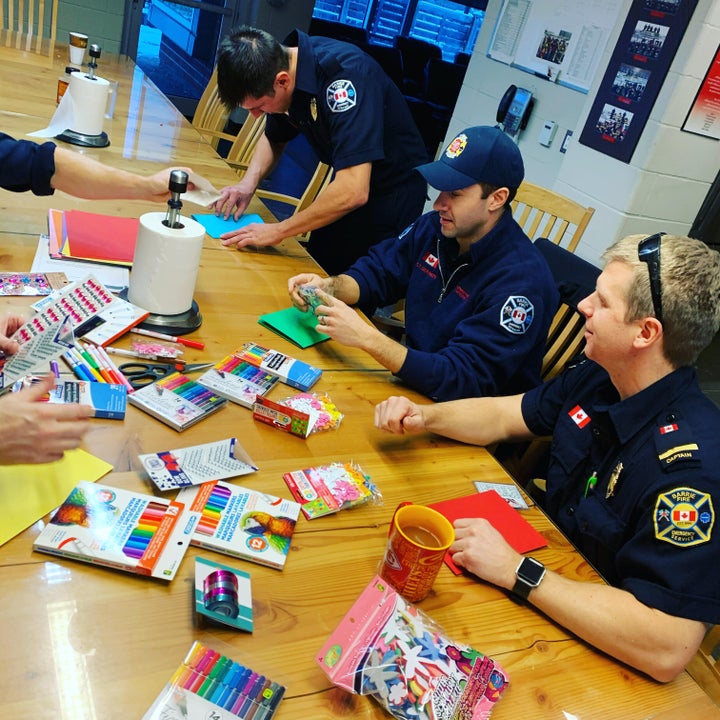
(73, 136)
(190, 319)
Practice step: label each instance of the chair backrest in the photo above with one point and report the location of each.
(211, 115)
(575, 279)
(415, 56)
(354, 34)
(28, 29)
(319, 180)
(389, 59)
(705, 666)
(545, 213)
(444, 82)
(566, 338)
(243, 147)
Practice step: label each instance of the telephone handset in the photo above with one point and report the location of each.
(514, 109)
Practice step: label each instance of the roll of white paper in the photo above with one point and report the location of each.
(89, 99)
(165, 264)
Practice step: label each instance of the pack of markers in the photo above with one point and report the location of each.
(389, 649)
(208, 685)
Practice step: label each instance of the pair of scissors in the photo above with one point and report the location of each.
(140, 374)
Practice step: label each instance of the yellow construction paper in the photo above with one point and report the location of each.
(28, 492)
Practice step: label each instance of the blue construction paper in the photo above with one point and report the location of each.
(216, 226)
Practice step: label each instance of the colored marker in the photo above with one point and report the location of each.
(114, 369)
(87, 363)
(215, 677)
(225, 689)
(55, 368)
(107, 375)
(170, 338)
(77, 367)
(203, 668)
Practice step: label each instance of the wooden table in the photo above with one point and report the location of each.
(85, 643)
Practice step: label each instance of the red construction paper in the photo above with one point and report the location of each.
(516, 530)
(100, 238)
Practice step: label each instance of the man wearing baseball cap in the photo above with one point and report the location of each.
(479, 297)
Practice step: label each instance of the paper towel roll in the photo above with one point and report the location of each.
(165, 264)
(89, 99)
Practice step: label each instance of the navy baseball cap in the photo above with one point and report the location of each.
(477, 154)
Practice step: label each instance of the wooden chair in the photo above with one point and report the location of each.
(704, 668)
(575, 279)
(243, 147)
(28, 29)
(318, 182)
(211, 115)
(544, 213)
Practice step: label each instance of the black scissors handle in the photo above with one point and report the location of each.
(141, 374)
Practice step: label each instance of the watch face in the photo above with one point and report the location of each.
(531, 571)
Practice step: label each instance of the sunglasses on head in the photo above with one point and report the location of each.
(649, 252)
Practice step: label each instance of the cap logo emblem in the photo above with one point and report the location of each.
(456, 147)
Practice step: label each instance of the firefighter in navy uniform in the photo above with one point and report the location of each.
(634, 474)
(354, 117)
(479, 296)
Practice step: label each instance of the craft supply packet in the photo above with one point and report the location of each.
(389, 649)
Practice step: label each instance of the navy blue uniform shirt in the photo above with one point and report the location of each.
(648, 522)
(24, 165)
(350, 111)
(476, 323)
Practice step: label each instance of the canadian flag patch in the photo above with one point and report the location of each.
(431, 260)
(665, 429)
(579, 416)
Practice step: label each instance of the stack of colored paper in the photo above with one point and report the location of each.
(78, 235)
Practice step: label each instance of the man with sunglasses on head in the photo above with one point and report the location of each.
(633, 479)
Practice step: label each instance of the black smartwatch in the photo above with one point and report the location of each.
(529, 573)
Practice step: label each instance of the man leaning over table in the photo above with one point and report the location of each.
(35, 431)
(479, 295)
(634, 472)
(356, 120)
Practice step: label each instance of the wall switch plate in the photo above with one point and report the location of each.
(566, 141)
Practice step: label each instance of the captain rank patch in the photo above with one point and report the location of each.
(684, 517)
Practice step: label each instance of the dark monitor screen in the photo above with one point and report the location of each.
(477, 4)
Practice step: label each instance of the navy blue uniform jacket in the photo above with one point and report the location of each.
(476, 324)
(24, 165)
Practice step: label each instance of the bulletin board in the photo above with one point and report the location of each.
(558, 40)
(635, 74)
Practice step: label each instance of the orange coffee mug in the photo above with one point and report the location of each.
(417, 542)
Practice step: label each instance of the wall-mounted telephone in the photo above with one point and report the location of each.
(514, 109)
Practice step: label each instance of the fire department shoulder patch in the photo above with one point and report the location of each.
(341, 96)
(684, 517)
(517, 314)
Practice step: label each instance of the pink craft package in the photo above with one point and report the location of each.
(389, 649)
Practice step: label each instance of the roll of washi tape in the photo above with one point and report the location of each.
(221, 593)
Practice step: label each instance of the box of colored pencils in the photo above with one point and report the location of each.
(121, 529)
(238, 380)
(210, 685)
(177, 400)
(291, 371)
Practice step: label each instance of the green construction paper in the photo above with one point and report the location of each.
(294, 325)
